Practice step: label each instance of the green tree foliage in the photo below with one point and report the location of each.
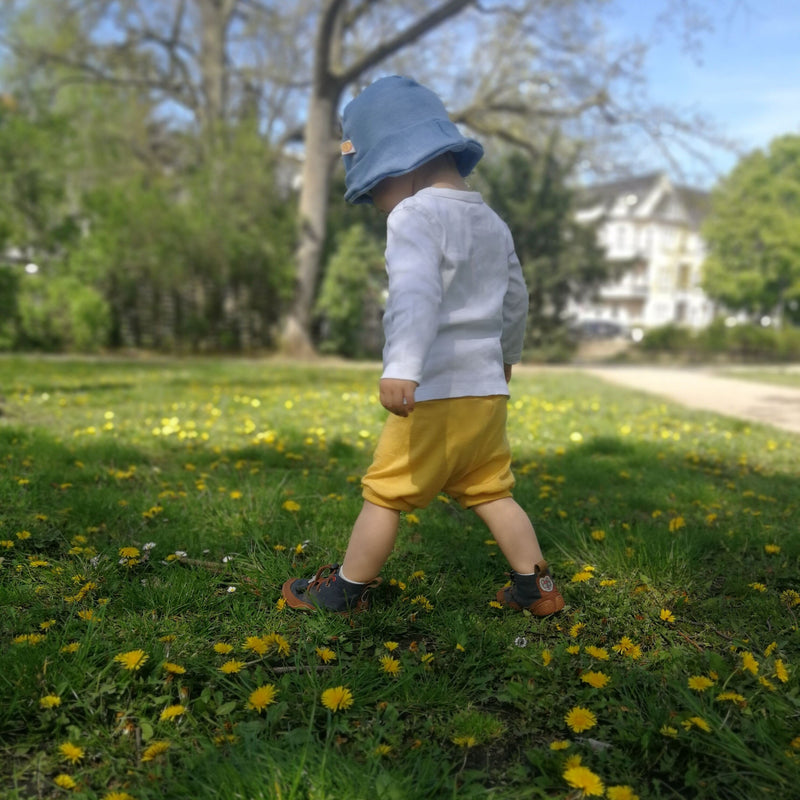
(560, 258)
(198, 259)
(35, 215)
(753, 233)
(9, 288)
(59, 313)
(351, 298)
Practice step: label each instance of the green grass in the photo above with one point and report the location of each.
(780, 376)
(672, 534)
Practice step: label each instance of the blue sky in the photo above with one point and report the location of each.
(745, 75)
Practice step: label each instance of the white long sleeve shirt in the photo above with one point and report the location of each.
(457, 301)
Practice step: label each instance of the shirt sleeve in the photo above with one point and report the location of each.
(411, 319)
(515, 311)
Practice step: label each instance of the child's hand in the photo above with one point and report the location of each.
(397, 396)
(507, 371)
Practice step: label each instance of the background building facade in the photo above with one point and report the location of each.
(650, 229)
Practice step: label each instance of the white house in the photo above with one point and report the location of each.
(650, 229)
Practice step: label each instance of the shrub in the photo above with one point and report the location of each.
(61, 313)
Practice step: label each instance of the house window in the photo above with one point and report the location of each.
(684, 277)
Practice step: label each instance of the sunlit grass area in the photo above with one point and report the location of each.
(151, 510)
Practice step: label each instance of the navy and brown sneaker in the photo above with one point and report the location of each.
(535, 593)
(328, 591)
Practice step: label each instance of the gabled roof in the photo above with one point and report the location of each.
(642, 196)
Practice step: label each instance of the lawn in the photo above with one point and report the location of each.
(150, 511)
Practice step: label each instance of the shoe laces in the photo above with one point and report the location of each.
(318, 581)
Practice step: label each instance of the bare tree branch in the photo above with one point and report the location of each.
(403, 39)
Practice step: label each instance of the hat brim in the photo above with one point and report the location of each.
(404, 150)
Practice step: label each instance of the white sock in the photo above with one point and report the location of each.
(347, 580)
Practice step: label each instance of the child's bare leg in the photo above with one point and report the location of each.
(513, 532)
(371, 542)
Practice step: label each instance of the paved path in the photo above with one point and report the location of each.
(697, 388)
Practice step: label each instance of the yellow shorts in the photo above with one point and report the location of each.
(457, 445)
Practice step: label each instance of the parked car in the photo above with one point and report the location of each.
(599, 329)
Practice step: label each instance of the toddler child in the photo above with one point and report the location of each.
(454, 324)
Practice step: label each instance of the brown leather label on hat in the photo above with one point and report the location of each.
(347, 148)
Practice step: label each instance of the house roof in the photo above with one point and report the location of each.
(638, 195)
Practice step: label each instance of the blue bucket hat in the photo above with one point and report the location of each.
(394, 126)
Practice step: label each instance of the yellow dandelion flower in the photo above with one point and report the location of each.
(49, 701)
(600, 653)
(262, 697)
(281, 604)
(413, 519)
(733, 697)
(232, 667)
(132, 660)
(175, 669)
(22, 535)
(771, 648)
(495, 604)
(71, 752)
(421, 600)
(608, 582)
(582, 576)
(390, 665)
(152, 751)
(574, 649)
(698, 722)
(391, 646)
(676, 523)
(460, 648)
(767, 684)
(383, 750)
(598, 536)
(668, 730)
(580, 719)
(700, 683)
(118, 796)
(781, 673)
(170, 712)
(257, 644)
(46, 624)
(572, 761)
(559, 744)
(279, 643)
(339, 698)
(749, 663)
(222, 648)
(72, 647)
(325, 654)
(291, 505)
(772, 549)
(584, 779)
(596, 679)
(129, 552)
(790, 597)
(621, 793)
(576, 629)
(65, 781)
(626, 647)
(465, 741)
(666, 615)
(547, 657)
(235, 495)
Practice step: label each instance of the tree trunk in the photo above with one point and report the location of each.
(316, 179)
